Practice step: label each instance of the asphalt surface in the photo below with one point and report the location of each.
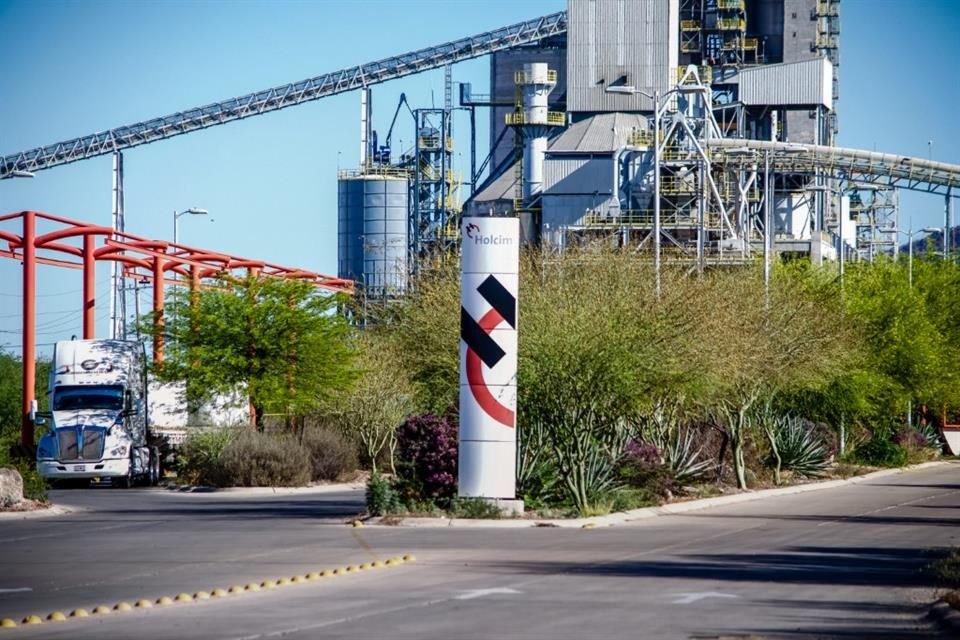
(840, 563)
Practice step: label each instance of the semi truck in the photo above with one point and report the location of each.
(97, 426)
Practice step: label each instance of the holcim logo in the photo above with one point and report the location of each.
(474, 233)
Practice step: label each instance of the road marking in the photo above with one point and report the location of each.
(16, 590)
(690, 598)
(480, 593)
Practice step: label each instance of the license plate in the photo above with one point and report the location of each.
(79, 467)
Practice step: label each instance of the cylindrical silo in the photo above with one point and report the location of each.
(373, 232)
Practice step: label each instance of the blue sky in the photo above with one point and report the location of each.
(72, 68)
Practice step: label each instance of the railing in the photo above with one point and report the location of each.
(374, 171)
(522, 77)
(729, 4)
(689, 25)
(557, 118)
(731, 24)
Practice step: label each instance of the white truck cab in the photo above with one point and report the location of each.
(98, 418)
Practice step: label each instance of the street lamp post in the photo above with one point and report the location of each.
(910, 233)
(655, 96)
(176, 217)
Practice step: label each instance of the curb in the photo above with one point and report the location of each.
(213, 594)
(647, 512)
(257, 491)
(945, 617)
(52, 510)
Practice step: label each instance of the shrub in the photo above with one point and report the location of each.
(34, 487)
(332, 454)
(255, 459)
(427, 459)
(881, 451)
(627, 499)
(198, 461)
(477, 508)
(909, 438)
(381, 496)
(641, 467)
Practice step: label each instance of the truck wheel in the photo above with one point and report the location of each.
(154, 474)
(125, 482)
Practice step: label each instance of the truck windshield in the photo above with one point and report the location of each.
(88, 397)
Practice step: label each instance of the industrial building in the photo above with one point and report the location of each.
(699, 132)
(619, 129)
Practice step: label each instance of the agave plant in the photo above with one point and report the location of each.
(799, 448)
(930, 435)
(682, 457)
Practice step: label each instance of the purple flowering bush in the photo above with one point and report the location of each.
(427, 460)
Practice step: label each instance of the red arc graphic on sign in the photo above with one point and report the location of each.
(478, 386)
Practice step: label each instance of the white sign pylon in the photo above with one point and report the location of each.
(490, 280)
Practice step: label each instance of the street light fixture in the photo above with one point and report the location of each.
(176, 217)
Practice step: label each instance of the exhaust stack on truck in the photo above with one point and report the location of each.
(98, 419)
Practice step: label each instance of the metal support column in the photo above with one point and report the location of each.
(29, 328)
(89, 288)
(158, 319)
(656, 190)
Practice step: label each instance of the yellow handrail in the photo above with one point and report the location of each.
(519, 118)
(521, 77)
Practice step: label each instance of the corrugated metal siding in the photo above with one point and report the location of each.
(794, 83)
(561, 211)
(578, 175)
(639, 39)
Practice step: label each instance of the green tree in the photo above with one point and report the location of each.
(380, 399)
(282, 341)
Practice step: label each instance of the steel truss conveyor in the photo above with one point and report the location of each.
(883, 169)
(284, 96)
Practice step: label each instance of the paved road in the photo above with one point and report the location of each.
(839, 563)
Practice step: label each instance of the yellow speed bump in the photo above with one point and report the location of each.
(79, 613)
(237, 589)
(33, 620)
(122, 606)
(409, 558)
(164, 601)
(282, 582)
(253, 586)
(357, 524)
(101, 610)
(183, 597)
(56, 616)
(143, 604)
(297, 579)
(327, 573)
(313, 575)
(378, 564)
(7, 623)
(589, 525)
(201, 595)
(366, 566)
(268, 584)
(218, 593)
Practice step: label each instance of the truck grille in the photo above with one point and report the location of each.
(67, 439)
(76, 444)
(92, 444)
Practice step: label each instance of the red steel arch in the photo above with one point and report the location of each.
(142, 258)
